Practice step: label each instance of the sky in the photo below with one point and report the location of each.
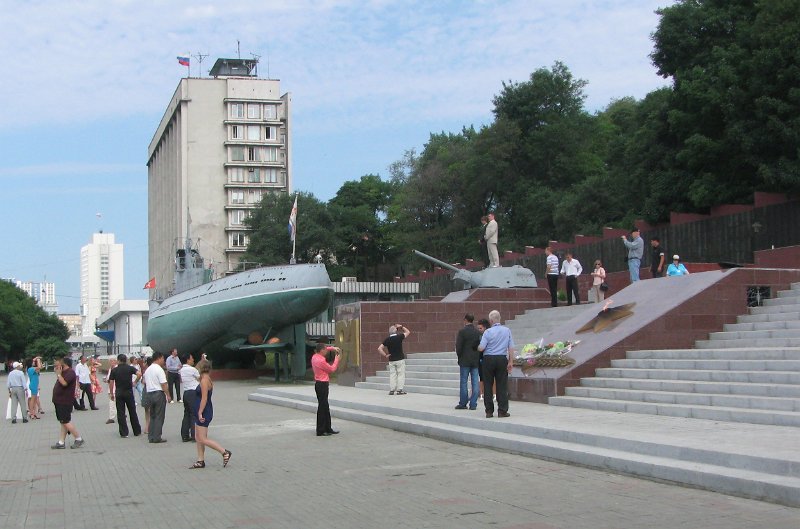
(85, 84)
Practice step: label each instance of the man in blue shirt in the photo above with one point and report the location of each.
(497, 347)
(635, 250)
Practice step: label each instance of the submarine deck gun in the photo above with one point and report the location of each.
(499, 277)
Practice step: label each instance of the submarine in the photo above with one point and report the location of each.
(238, 312)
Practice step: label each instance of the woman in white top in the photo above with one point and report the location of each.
(598, 277)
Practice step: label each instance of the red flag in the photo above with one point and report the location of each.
(150, 284)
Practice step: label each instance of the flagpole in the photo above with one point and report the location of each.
(294, 237)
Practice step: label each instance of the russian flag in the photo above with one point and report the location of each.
(183, 61)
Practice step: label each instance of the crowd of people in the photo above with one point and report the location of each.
(131, 382)
(570, 268)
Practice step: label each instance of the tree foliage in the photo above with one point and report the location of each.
(728, 126)
(25, 326)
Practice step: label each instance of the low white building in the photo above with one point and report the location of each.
(123, 327)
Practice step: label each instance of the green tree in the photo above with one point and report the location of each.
(24, 324)
(735, 67)
(269, 239)
(359, 211)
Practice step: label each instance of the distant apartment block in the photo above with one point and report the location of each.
(102, 278)
(74, 323)
(222, 144)
(44, 292)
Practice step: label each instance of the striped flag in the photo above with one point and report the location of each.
(293, 221)
(183, 61)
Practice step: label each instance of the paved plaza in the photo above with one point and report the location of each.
(282, 475)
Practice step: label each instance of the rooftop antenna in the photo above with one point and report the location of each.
(256, 58)
(238, 49)
(200, 57)
(99, 219)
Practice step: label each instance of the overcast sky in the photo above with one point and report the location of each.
(85, 84)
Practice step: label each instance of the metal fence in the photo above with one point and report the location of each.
(729, 238)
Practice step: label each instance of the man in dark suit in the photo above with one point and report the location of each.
(467, 341)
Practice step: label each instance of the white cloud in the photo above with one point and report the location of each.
(363, 63)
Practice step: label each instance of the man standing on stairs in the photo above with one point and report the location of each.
(397, 360)
(497, 346)
(552, 275)
(635, 251)
(467, 342)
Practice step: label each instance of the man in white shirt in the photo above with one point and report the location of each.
(155, 379)
(571, 269)
(82, 371)
(190, 378)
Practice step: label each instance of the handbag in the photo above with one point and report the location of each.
(603, 286)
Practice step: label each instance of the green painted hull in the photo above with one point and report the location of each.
(205, 318)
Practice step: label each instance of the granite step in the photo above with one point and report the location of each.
(756, 377)
(768, 317)
(755, 334)
(745, 353)
(714, 413)
(708, 364)
(783, 300)
(753, 475)
(748, 342)
(689, 398)
(761, 326)
(790, 391)
(412, 388)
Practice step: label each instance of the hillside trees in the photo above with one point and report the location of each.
(735, 67)
(26, 329)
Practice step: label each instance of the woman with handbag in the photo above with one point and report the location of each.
(599, 281)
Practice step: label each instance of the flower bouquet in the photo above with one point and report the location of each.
(534, 356)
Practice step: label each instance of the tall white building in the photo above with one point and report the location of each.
(44, 292)
(223, 142)
(102, 278)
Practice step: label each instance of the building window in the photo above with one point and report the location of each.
(270, 154)
(253, 132)
(236, 132)
(238, 240)
(252, 154)
(270, 176)
(271, 133)
(237, 110)
(236, 174)
(237, 197)
(253, 111)
(237, 217)
(237, 154)
(254, 196)
(253, 175)
(270, 112)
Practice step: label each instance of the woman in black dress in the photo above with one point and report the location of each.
(204, 414)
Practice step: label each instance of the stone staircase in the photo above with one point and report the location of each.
(430, 373)
(749, 372)
(437, 373)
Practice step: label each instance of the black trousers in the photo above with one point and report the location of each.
(189, 414)
(552, 285)
(123, 402)
(174, 379)
(323, 409)
(572, 288)
(86, 389)
(495, 369)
